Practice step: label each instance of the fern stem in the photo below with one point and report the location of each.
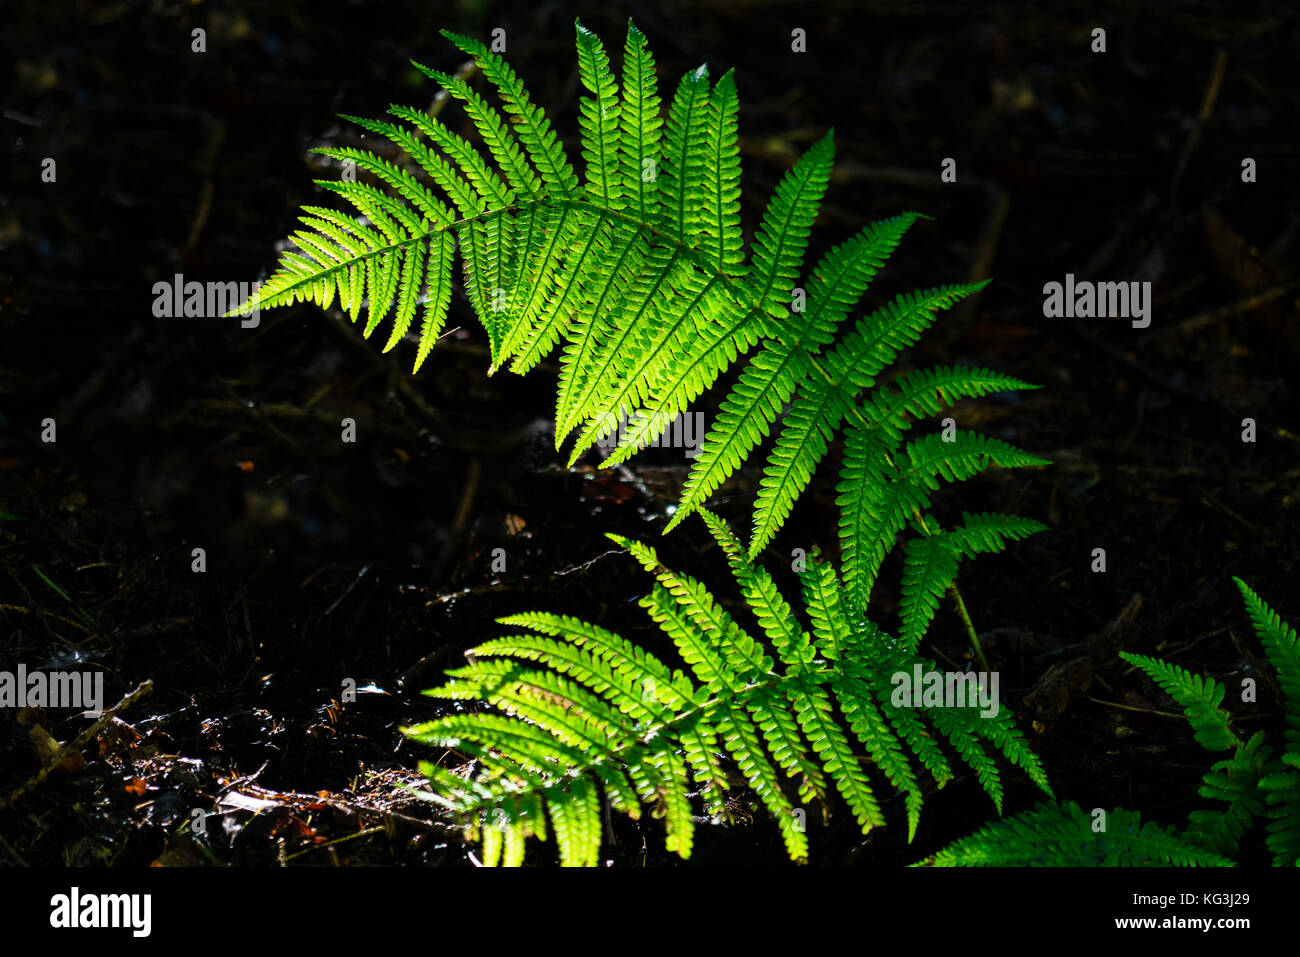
(955, 592)
(970, 627)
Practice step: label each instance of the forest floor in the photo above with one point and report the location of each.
(372, 562)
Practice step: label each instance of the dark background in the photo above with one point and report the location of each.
(372, 561)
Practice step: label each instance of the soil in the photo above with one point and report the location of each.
(368, 567)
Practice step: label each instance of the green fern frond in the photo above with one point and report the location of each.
(1283, 647)
(577, 712)
(1199, 697)
(1235, 782)
(1253, 783)
(1281, 790)
(637, 273)
(931, 560)
(1064, 835)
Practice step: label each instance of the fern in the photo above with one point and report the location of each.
(1252, 783)
(1063, 835)
(1200, 699)
(580, 714)
(639, 275)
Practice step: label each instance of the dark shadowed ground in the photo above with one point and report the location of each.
(372, 561)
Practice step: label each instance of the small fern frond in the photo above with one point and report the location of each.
(1235, 782)
(529, 121)
(1199, 697)
(1283, 648)
(599, 122)
(1064, 835)
(1253, 783)
(989, 532)
(930, 562)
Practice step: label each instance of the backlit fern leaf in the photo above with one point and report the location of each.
(637, 273)
(578, 712)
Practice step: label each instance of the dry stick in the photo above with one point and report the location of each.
(338, 840)
(1207, 318)
(81, 740)
(461, 522)
(1207, 107)
(981, 266)
(1129, 707)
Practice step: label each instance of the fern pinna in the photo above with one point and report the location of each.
(1252, 783)
(639, 274)
(578, 710)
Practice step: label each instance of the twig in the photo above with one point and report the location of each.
(1129, 707)
(81, 740)
(1207, 318)
(1207, 107)
(337, 840)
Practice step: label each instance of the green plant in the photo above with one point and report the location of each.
(639, 274)
(1065, 835)
(579, 710)
(1253, 784)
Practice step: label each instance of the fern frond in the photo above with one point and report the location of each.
(1234, 781)
(1283, 647)
(1199, 697)
(1064, 835)
(638, 275)
(599, 122)
(989, 532)
(720, 239)
(578, 711)
(747, 413)
(1252, 783)
(931, 560)
(530, 121)
(684, 155)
